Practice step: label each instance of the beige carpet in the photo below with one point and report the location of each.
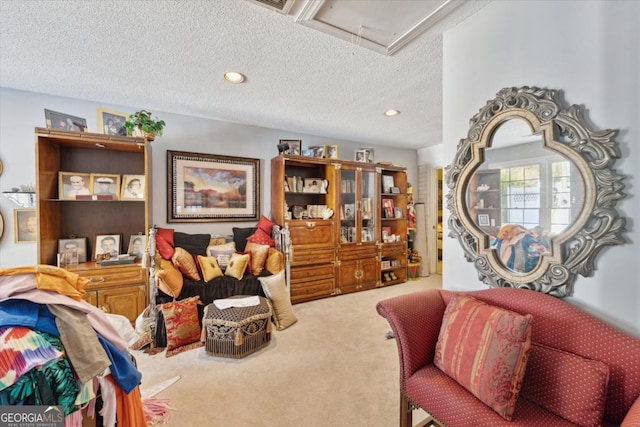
(334, 367)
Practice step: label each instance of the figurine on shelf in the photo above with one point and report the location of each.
(411, 217)
(414, 256)
(483, 187)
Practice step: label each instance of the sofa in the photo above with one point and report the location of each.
(179, 259)
(574, 368)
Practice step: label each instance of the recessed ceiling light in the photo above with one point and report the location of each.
(234, 77)
(391, 113)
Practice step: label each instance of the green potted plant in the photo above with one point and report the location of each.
(141, 123)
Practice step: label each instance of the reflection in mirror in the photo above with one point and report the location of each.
(523, 195)
(533, 192)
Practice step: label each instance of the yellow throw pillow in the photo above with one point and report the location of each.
(169, 280)
(259, 255)
(275, 288)
(237, 265)
(185, 263)
(275, 261)
(209, 267)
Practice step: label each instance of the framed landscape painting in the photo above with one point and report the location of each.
(212, 188)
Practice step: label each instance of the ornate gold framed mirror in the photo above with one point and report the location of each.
(533, 192)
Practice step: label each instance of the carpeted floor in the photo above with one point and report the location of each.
(333, 368)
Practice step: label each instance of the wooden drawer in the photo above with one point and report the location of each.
(311, 290)
(357, 252)
(394, 249)
(310, 274)
(117, 275)
(311, 234)
(308, 257)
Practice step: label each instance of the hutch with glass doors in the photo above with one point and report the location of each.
(333, 211)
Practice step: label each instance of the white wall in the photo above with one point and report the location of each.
(587, 49)
(21, 112)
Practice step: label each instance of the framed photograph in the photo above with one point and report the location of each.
(312, 185)
(331, 152)
(397, 212)
(295, 146)
(212, 188)
(26, 225)
(318, 151)
(106, 246)
(368, 155)
(133, 187)
(136, 245)
(360, 156)
(105, 186)
(111, 122)
(64, 121)
(387, 183)
(349, 211)
(388, 208)
(72, 251)
(73, 184)
(483, 220)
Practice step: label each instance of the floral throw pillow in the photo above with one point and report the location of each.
(485, 349)
(181, 324)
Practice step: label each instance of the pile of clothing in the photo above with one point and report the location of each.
(56, 349)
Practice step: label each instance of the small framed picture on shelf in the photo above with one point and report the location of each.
(349, 211)
(106, 246)
(294, 146)
(105, 186)
(397, 212)
(111, 122)
(72, 251)
(312, 185)
(318, 151)
(133, 187)
(385, 265)
(388, 208)
(72, 184)
(64, 121)
(136, 246)
(368, 154)
(331, 152)
(483, 220)
(387, 183)
(360, 156)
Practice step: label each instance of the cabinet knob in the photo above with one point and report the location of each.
(99, 280)
(311, 224)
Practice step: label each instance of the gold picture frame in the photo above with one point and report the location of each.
(133, 187)
(74, 184)
(25, 223)
(105, 186)
(111, 122)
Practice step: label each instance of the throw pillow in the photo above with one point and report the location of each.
(265, 224)
(259, 255)
(222, 253)
(569, 385)
(209, 268)
(275, 261)
(164, 242)
(237, 265)
(185, 263)
(181, 324)
(169, 279)
(485, 348)
(240, 236)
(261, 238)
(275, 288)
(195, 244)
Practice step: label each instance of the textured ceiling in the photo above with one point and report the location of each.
(170, 56)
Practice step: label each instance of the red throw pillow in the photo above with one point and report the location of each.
(261, 237)
(485, 349)
(164, 242)
(265, 224)
(181, 324)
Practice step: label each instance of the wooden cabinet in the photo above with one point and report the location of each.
(120, 289)
(483, 200)
(393, 219)
(335, 224)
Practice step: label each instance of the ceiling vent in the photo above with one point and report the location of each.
(281, 6)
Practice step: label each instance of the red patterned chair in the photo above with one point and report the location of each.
(579, 370)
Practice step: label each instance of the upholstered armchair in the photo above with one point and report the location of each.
(578, 370)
